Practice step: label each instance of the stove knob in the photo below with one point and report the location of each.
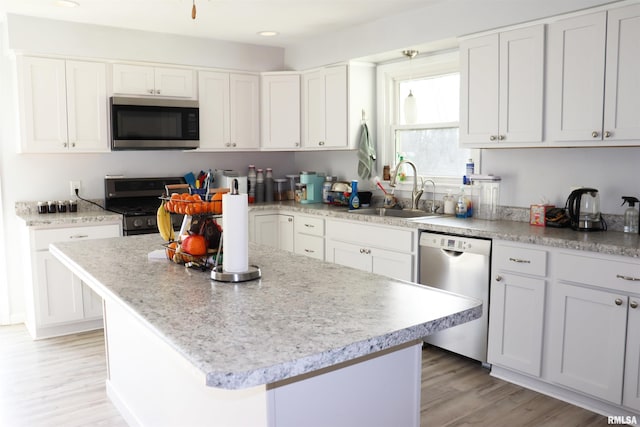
(137, 223)
(151, 222)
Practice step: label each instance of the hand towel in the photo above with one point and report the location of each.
(366, 154)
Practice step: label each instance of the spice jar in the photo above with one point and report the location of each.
(62, 206)
(73, 206)
(51, 206)
(42, 208)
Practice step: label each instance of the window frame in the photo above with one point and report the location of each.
(388, 80)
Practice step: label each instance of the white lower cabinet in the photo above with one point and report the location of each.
(567, 323)
(272, 229)
(309, 236)
(57, 301)
(594, 308)
(588, 340)
(388, 251)
(516, 313)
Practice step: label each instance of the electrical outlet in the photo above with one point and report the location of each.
(73, 185)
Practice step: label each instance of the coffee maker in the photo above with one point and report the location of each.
(583, 209)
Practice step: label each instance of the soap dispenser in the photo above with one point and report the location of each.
(631, 215)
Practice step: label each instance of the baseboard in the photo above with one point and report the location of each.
(561, 393)
(121, 406)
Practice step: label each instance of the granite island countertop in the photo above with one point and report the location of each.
(301, 316)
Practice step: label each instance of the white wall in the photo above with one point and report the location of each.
(530, 174)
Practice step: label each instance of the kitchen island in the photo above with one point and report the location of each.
(310, 343)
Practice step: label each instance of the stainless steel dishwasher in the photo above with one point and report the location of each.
(460, 265)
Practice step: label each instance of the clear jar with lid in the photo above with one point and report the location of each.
(280, 190)
(326, 189)
(291, 190)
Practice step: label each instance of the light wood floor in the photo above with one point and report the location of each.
(59, 382)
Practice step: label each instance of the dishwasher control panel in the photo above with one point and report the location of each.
(453, 243)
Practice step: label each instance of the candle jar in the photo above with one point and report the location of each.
(73, 206)
(51, 206)
(62, 206)
(42, 208)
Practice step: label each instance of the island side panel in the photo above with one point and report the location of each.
(382, 389)
(152, 385)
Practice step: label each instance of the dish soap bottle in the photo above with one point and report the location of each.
(631, 215)
(354, 200)
(464, 209)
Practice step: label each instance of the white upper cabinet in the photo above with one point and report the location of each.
(280, 111)
(63, 105)
(153, 81)
(593, 73)
(622, 91)
(325, 108)
(502, 81)
(334, 101)
(229, 111)
(576, 78)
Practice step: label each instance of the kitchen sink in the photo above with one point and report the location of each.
(396, 213)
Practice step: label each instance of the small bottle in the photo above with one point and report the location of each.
(401, 174)
(51, 206)
(42, 208)
(251, 183)
(354, 200)
(631, 215)
(268, 185)
(470, 168)
(449, 204)
(259, 186)
(386, 173)
(326, 189)
(464, 209)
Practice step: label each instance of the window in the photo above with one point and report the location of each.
(431, 143)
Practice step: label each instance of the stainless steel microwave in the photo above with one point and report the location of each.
(154, 124)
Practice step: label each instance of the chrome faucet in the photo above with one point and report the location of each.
(415, 193)
(434, 208)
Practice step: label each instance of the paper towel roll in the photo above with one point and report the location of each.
(235, 229)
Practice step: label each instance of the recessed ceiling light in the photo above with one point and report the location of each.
(268, 33)
(67, 3)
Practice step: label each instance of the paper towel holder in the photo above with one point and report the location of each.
(219, 275)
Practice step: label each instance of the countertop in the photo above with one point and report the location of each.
(606, 242)
(301, 316)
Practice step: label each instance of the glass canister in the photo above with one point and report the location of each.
(291, 190)
(326, 189)
(280, 189)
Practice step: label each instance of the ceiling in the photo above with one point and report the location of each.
(232, 20)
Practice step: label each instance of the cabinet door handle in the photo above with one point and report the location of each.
(498, 278)
(595, 134)
(290, 219)
(607, 134)
(633, 304)
(365, 251)
(492, 138)
(150, 91)
(520, 261)
(501, 137)
(79, 236)
(629, 278)
(618, 301)
(158, 91)
(297, 144)
(321, 143)
(65, 145)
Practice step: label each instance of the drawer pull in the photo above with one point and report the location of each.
(633, 304)
(521, 261)
(309, 251)
(630, 278)
(79, 236)
(310, 226)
